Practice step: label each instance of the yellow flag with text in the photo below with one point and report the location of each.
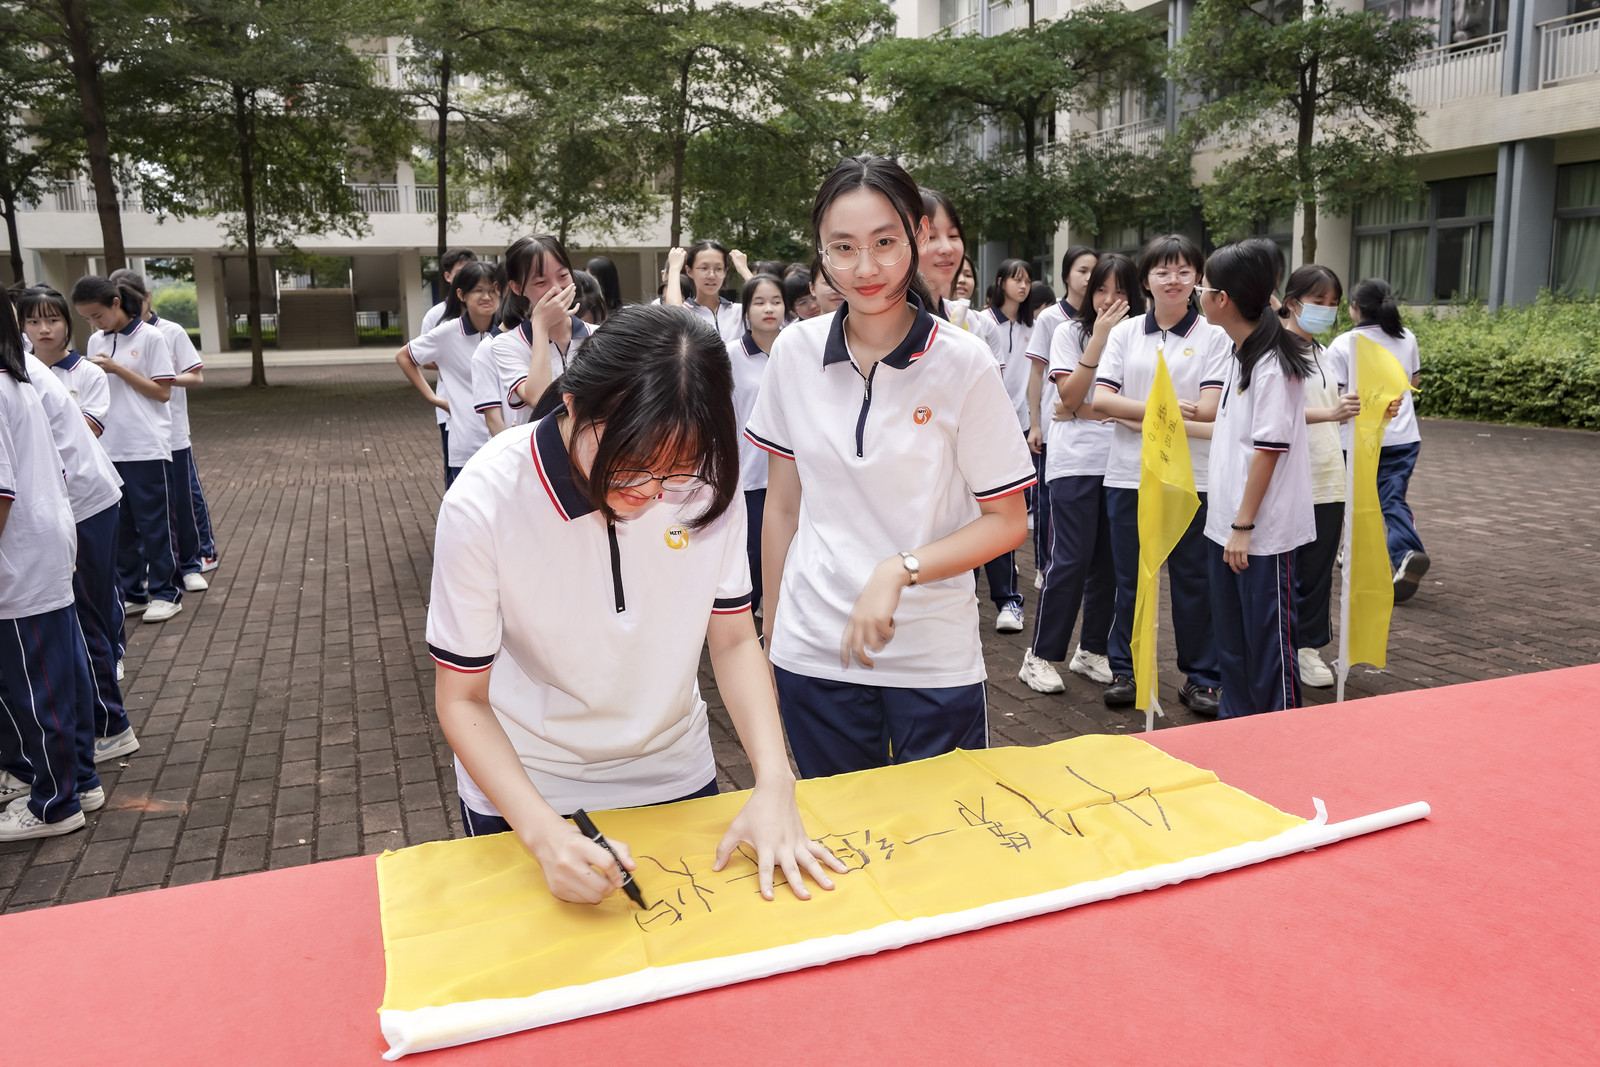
(1380, 380)
(1167, 504)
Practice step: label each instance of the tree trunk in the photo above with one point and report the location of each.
(16, 242)
(96, 134)
(442, 214)
(244, 124)
(680, 148)
(1030, 152)
(1306, 134)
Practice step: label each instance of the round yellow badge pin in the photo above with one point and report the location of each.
(677, 537)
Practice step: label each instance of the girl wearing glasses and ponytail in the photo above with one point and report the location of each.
(894, 469)
(567, 674)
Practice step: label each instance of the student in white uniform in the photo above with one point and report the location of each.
(47, 776)
(181, 473)
(966, 280)
(1077, 569)
(449, 263)
(1310, 305)
(1009, 321)
(1076, 264)
(705, 263)
(1196, 355)
(474, 296)
(1377, 316)
(567, 675)
(797, 291)
(895, 468)
(539, 281)
(766, 310)
(1260, 485)
(138, 438)
(827, 297)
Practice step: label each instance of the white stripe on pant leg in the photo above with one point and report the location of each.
(177, 565)
(27, 684)
(83, 640)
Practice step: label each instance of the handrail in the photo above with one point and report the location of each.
(1576, 16)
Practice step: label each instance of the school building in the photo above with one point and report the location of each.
(1510, 102)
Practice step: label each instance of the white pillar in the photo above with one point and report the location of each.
(413, 299)
(212, 296)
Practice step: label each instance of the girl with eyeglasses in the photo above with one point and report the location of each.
(705, 263)
(1260, 478)
(567, 674)
(766, 311)
(1196, 354)
(894, 469)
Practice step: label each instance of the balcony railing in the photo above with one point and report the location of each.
(1458, 72)
(377, 199)
(1142, 136)
(1569, 48)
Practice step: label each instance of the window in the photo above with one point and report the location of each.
(1457, 21)
(1436, 247)
(1577, 245)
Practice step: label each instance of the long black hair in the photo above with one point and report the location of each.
(695, 249)
(605, 275)
(124, 278)
(1068, 258)
(659, 380)
(748, 293)
(12, 354)
(1377, 304)
(591, 300)
(1308, 279)
(522, 257)
(41, 301)
(1040, 296)
(1127, 278)
(93, 289)
(888, 179)
(1249, 278)
(468, 276)
(1011, 268)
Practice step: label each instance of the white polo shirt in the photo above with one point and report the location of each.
(431, 318)
(749, 368)
(87, 386)
(512, 352)
(1270, 416)
(488, 392)
(93, 483)
(1008, 340)
(592, 669)
(1074, 447)
(1197, 355)
(40, 542)
(888, 463)
(449, 347)
(184, 360)
(1322, 438)
(1045, 324)
(960, 313)
(1403, 428)
(137, 427)
(728, 317)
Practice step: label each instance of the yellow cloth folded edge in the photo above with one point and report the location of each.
(424, 1029)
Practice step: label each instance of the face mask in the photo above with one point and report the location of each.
(1315, 318)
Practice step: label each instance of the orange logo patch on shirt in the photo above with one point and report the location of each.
(676, 537)
(922, 415)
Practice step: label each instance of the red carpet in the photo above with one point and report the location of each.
(1469, 938)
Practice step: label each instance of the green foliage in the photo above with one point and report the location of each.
(1534, 365)
(1112, 187)
(1305, 102)
(179, 304)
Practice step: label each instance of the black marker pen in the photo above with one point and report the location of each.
(587, 827)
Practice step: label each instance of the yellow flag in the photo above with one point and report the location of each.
(1167, 504)
(1379, 379)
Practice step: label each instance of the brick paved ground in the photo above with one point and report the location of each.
(286, 715)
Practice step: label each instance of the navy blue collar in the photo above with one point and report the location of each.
(1067, 309)
(70, 360)
(154, 319)
(999, 314)
(467, 329)
(917, 341)
(554, 465)
(1182, 329)
(580, 330)
(127, 331)
(748, 341)
(722, 303)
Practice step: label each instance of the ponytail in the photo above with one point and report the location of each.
(1376, 302)
(94, 289)
(12, 356)
(1249, 277)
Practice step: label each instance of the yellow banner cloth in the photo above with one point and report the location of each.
(1379, 380)
(1167, 504)
(472, 919)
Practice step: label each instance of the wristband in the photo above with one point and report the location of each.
(1089, 366)
(1244, 529)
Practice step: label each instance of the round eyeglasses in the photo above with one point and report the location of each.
(885, 252)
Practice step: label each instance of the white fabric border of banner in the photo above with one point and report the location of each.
(457, 1024)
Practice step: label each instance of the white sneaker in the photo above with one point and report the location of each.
(208, 564)
(1313, 671)
(122, 744)
(92, 799)
(1009, 621)
(162, 610)
(194, 583)
(12, 787)
(18, 823)
(1094, 667)
(130, 608)
(1038, 675)
(119, 670)
(1038, 579)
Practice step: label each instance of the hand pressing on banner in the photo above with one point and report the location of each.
(770, 823)
(577, 869)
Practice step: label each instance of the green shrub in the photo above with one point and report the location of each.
(178, 303)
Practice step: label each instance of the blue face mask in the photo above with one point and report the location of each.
(1315, 318)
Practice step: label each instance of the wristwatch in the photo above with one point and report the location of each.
(912, 565)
